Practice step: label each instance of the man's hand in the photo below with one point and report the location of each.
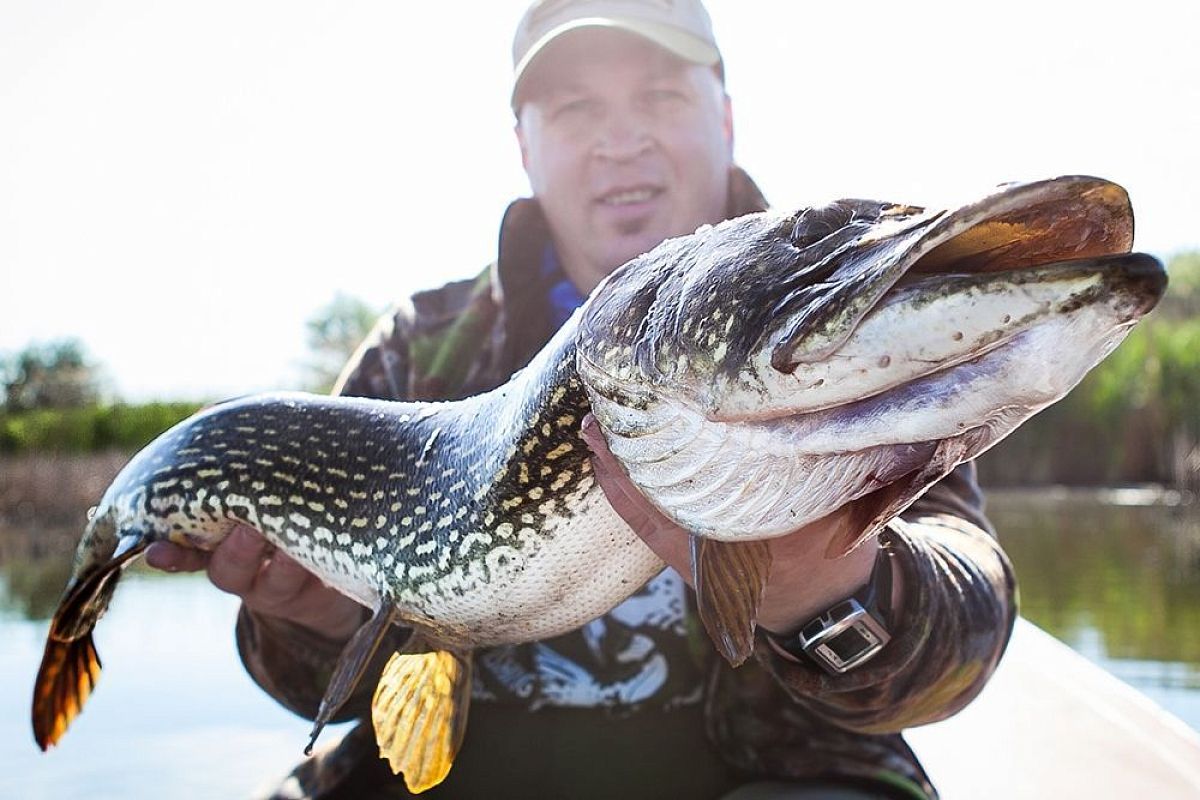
(269, 581)
(802, 583)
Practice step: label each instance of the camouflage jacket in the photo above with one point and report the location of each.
(773, 717)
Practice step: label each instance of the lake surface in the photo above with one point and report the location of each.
(1114, 575)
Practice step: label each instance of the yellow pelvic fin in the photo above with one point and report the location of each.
(729, 578)
(420, 714)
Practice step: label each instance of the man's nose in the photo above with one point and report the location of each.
(622, 137)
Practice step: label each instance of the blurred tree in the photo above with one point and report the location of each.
(1183, 295)
(334, 333)
(56, 374)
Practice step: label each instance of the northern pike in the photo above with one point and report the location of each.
(753, 377)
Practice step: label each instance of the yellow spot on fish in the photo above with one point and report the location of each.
(560, 451)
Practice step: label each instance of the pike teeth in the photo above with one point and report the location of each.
(628, 197)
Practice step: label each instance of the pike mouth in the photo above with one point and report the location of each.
(1089, 229)
(1085, 221)
(1061, 233)
(1036, 225)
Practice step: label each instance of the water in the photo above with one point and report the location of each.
(1116, 577)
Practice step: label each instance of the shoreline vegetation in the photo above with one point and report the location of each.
(1134, 420)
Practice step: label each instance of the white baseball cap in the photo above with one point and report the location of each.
(681, 27)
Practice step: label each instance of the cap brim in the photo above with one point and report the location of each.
(680, 43)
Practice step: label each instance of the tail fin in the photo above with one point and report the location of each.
(65, 680)
(70, 665)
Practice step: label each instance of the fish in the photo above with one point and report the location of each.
(753, 377)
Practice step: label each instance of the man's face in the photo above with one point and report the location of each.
(625, 145)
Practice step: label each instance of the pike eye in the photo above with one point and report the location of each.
(814, 224)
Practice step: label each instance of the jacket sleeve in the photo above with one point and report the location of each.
(290, 662)
(956, 619)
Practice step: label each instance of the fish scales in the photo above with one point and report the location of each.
(442, 508)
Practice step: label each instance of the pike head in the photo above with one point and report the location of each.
(760, 374)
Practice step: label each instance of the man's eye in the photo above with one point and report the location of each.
(664, 95)
(573, 107)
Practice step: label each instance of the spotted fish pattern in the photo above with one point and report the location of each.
(475, 519)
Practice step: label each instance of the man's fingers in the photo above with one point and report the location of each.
(280, 584)
(170, 557)
(234, 565)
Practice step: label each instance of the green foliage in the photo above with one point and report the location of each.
(334, 333)
(116, 427)
(52, 375)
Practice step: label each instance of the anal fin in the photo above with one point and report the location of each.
(420, 714)
(351, 665)
(729, 578)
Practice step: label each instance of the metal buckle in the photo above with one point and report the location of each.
(844, 637)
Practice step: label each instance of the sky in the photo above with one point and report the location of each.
(182, 185)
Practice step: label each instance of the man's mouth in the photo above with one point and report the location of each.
(630, 196)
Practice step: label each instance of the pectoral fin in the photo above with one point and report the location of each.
(865, 516)
(351, 665)
(420, 714)
(729, 578)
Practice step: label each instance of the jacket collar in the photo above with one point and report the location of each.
(517, 285)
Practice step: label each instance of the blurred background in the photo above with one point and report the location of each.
(204, 200)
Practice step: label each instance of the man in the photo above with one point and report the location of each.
(626, 135)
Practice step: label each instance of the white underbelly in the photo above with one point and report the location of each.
(535, 587)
